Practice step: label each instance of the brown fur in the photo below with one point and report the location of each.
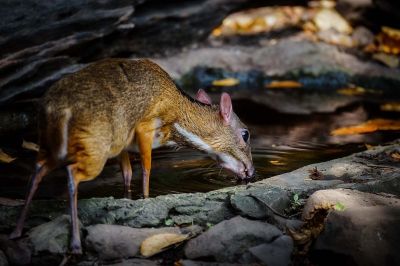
(100, 111)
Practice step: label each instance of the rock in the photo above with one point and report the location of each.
(361, 236)
(276, 253)
(3, 259)
(135, 262)
(284, 57)
(17, 251)
(327, 18)
(204, 263)
(76, 32)
(52, 237)
(350, 199)
(226, 241)
(362, 36)
(359, 229)
(257, 202)
(115, 242)
(389, 60)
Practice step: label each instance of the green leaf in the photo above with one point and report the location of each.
(296, 197)
(339, 207)
(169, 222)
(209, 225)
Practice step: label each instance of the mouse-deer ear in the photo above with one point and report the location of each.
(203, 97)
(225, 107)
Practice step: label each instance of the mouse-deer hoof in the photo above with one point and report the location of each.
(15, 234)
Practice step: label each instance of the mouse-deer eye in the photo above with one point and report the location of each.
(245, 135)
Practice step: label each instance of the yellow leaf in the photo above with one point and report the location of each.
(391, 107)
(30, 145)
(5, 158)
(228, 82)
(395, 156)
(157, 243)
(391, 32)
(284, 84)
(216, 32)
(367, 127)
(350, 91)
(369, 146)
(276, 162)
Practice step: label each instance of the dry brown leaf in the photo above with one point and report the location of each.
(395, 155)
(5, 158)
(391, 107)
(389, 40)
(157, 243)
(276, 162)
(367, 127)
(30, 145)
(314, 174)
(228, 82)
(369, 146)
(289, 84)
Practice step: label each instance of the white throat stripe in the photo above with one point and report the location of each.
(192, 138)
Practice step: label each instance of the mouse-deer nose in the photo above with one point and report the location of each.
(250, 172)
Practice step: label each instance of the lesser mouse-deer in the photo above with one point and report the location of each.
(116, 105)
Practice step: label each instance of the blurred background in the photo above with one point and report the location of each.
(313, 80)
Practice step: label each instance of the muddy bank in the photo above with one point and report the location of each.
(273, 206)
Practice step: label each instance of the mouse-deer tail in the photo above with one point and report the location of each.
(54, 133)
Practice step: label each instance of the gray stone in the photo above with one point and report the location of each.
(366, 232)
(52, 237)
(3, 259)
(257, 202)
(116, 242)
(204, 263)
(16, 251)
(135, 262)
(226, 241)
(277, 253)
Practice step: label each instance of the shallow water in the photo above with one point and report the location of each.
(281, 143)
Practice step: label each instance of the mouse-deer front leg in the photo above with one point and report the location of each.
(126, 173)
(144, 136)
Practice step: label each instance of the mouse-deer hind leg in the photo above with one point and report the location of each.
(41, 170)
(126, 173)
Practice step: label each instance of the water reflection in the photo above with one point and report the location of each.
(280, 143)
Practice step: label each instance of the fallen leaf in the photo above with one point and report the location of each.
(314, 174)
(391, 107)
(369, 146)
(228, 82)
(276, 162)
(367, 127)
(350, 91)
(30, 145)
(392, 32)
(5, 158)
(389, 40)
(395, 155)
(289, 84)
(157, 243)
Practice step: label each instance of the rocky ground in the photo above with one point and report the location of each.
(343, 211)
